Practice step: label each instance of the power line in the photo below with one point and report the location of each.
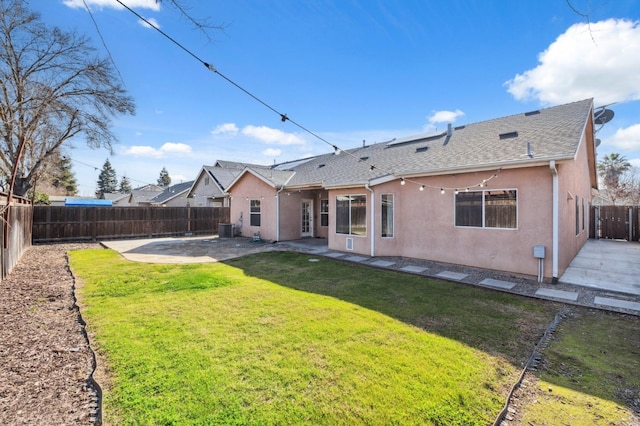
(284, 117)
(104, 44)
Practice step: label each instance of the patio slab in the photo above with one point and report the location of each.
(558, 294)
(383, 263)
(505, 285)
(413, 269)
(617, 303)
(457, 276)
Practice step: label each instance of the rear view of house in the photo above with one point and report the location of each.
(483, 195)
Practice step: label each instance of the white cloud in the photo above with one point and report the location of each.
(176, 148)
(599, 60)
(272, 136)
(271, 152)
(225, 129)
(445, 116)
(151, 21)
(100, 4)
(635, 162)
(149, 151)
(142, 151)
(627, 138)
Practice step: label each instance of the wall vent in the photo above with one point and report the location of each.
(350, 244)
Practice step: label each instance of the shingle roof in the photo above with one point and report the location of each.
(171, 192)
(548, 134)
(223, 177)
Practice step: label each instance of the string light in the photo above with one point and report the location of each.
(442, 190)
(283, 117)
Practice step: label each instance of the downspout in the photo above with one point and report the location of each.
(555, 219)
(278, 213)
(373, 216)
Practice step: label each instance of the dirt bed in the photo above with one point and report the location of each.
(45, 360)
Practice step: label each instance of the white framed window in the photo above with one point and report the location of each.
(324, 212)
(254, 213)
(495, 208)
(386, 216)
(351, 214)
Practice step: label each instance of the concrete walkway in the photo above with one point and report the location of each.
(607, 265)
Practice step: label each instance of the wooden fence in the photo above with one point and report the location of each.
(615, 222)
(15, 237)
(61, 224)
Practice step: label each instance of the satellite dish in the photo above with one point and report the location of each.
(603, 116)
(598, 142)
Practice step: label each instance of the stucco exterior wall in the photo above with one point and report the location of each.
(574, 184)
(251, 188)
(425, 222)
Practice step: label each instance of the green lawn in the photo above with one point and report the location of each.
(276, 339)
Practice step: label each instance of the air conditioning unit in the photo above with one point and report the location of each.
(349, 244)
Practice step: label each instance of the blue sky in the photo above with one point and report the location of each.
(348, 71)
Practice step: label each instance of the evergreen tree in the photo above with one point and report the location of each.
(107, 180)
(164, 180)
(64, 178)
(125, 185)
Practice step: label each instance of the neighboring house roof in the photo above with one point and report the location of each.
(221, 175)
(171, 192)
(521, 140)
(114, 196)
(144, 194)
(149, 187)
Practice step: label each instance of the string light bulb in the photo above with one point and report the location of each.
(422, 188)
(402, 181)
(442, 190)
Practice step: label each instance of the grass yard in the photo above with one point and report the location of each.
(273, 338)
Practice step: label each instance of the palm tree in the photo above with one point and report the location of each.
(611, 167)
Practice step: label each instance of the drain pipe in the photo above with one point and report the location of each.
(373, 216)
(278, 213)
(555, 219)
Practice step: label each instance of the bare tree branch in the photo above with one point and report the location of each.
(52, 88)
(204, 25)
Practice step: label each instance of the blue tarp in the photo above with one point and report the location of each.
(87, 202)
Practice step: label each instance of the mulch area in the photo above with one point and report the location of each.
(45, 360)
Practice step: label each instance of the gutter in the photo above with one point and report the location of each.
(278, 213)
(373, 216)
(555, 219)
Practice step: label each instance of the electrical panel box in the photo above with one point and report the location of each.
(538, 252)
